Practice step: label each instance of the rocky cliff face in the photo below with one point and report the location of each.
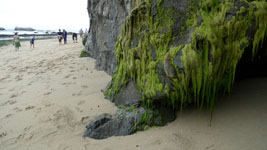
(182, 52)
(172, 53)
(106, 20)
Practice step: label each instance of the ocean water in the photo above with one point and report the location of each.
(8, 33)
(12, 32)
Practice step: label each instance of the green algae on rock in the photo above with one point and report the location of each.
(205, 62)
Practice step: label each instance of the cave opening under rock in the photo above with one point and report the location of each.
(253, 68)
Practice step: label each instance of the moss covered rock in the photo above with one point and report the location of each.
(183, 52)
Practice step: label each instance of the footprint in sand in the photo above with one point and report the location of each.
(48, 93)
(12, 102)
(81, 102)
(66, 84)
(21, 136)
(27, 128)
(14, 95)
(18, 78)
(2, 79)
(210, 147)
(9, 115)
(25, 136)
(63, 118)
(17, 109)
(13, 68)
(29, 107)
(10, 90)
(85, 120)
(23, 92)
(48, 105)
(3, 134)
(79, 110)
(84, 86)
(74, 78)
(38, 110)
(49, 134)
(77, 94)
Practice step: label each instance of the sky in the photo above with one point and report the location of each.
(44, 14)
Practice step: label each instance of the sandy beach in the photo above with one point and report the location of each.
(48, 95)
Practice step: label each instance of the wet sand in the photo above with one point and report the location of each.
(48, 95)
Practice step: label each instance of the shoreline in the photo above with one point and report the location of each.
(25, 35)
(6, 42)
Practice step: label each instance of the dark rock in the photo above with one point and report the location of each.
(230, 14)
(1, 28)
(106, 20)
(135, 42)
(24, 29)
(199, 20)
(127, 121)
(128, 95)
(154, 54)
(169, 68)
(178, 62)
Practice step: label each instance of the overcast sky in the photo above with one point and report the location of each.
(44, 14)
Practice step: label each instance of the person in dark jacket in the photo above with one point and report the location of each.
(74, 37)
(65, 33)
(59, 36)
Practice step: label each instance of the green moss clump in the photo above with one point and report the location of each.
(209, 60)
(83, 54)
(84, 38)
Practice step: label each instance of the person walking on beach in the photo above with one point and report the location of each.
(16, 41)
(59, 36)
(32, 41)
(65, 33)
(74, 37)
(81, 33)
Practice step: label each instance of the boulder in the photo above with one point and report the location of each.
(1, 28)
(127, 121)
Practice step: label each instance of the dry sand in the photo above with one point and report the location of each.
(48, 94)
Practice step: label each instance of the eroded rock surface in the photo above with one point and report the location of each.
(106, 20)
(127, 121)
(168, 54)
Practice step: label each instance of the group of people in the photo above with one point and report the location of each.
(16, 41)
(81, 32)
(61, 35)
(64, 34)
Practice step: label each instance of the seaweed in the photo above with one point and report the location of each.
(209, 60)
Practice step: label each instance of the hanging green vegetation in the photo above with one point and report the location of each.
(209, 61)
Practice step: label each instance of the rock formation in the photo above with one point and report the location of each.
(171, 53)
(127, 121)
(1, 28)
(24, 29)
(106, 20)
